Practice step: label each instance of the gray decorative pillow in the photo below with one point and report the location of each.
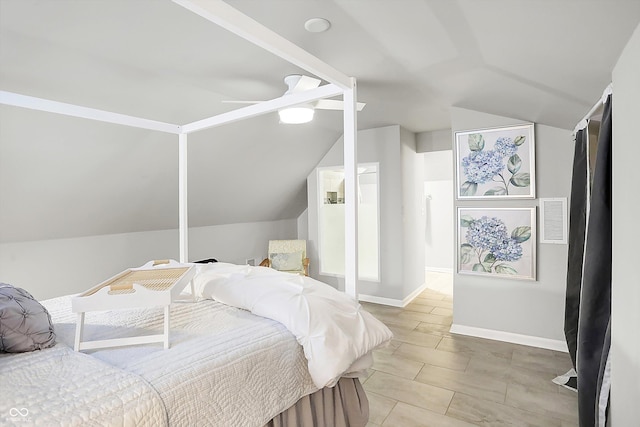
(25, 325)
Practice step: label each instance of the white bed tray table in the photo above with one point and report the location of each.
(155, 284)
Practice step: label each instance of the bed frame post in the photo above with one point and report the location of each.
(350, 192)
(182, 198)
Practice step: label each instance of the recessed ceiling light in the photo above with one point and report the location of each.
(317, 25)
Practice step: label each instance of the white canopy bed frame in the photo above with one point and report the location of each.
(305, 376)
(225, 16)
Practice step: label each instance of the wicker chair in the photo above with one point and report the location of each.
(288, 255)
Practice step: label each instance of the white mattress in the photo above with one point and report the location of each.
(225, 366)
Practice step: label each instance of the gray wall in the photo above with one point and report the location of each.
(437, 140)
(50, 268)
(625, 304)
(382, 146)
(303, 225)
(533, 308)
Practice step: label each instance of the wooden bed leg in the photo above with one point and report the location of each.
(79, 329)
(167, 320)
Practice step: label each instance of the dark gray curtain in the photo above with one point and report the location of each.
(604, 381)
(577, 230)
(595, 301)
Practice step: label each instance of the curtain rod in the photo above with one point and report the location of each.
(585, 121)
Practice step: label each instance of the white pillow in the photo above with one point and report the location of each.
(286, 261)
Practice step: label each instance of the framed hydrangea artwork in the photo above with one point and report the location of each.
(497, 242)
(496, 163)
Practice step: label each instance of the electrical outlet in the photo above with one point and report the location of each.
(251, 261)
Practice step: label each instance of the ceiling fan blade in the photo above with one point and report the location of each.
(334, 104)
(305, 83)
(233, 101)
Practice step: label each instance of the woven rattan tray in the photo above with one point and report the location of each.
(153, 280)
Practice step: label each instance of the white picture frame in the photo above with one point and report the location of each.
(496, 163)
(497, 242)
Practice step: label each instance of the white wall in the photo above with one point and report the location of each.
(52, 268)
(439, 213)
(530, 308)
(625, 301)
(381, 145)
(413, 213)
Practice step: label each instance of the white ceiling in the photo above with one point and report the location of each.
(545, 61)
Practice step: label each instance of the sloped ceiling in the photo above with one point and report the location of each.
(539, 61)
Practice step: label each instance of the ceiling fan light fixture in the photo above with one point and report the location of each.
(296, 115)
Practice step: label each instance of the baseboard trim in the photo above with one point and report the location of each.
(413, 295)
(380, 300)
(439, 270)
(491, 334)
(392, 301)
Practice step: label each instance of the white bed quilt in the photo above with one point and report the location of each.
(44, 387)
(336, 333)
(225, 366)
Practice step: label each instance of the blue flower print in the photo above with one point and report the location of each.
(482, 166)
(505, 146)
(489, 246)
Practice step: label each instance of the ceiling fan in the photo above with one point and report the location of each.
(303, 113)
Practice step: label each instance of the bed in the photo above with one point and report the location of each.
(258, 347)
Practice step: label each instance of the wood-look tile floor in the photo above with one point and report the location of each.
(430, 377)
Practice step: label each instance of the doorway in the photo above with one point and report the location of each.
(439, 220)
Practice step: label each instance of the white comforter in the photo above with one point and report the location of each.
(336, 333)
(45, 387)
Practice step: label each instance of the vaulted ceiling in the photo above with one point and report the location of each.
(541, 61)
